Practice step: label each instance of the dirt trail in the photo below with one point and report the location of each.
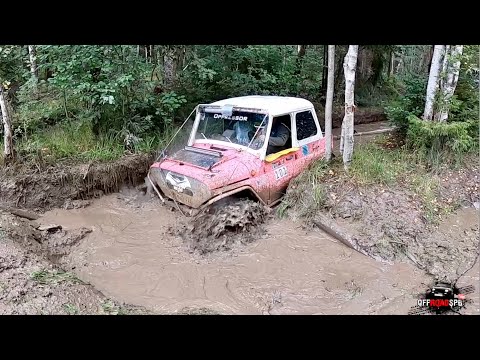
(130, 256)
(361, 139)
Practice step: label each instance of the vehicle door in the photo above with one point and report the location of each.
(282, 165)
(307, 135)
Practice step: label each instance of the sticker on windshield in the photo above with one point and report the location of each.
(239, 118)
(280, 172)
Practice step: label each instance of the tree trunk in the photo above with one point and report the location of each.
(338, 77)
(301, 49)
(452, 71)
(430, 57)
(349, 68)
(432, 86)
(390, 64)
(7, 127)
(342, 137)
(33, 61)
(325, 68)
(169, 66)
(329, 102)
(173, 60)
(376, 67)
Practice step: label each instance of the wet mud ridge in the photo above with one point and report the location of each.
(47, 187)
(224, 226)
(32, 280)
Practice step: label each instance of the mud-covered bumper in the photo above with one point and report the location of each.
(181, 188)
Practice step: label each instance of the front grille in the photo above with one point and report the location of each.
(181, 188)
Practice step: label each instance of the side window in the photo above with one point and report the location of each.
(280, 136)
(306, 126)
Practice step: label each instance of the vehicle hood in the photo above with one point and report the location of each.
(214, 171)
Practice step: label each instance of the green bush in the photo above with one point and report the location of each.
(438, 141)
(409, 101)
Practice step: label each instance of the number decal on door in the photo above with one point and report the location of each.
(280, 172)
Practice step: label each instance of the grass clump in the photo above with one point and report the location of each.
(47, 277)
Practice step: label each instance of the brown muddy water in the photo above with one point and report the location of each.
(131, 256)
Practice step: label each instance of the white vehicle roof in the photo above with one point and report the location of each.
(275, 105)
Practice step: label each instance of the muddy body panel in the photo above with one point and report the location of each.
(193, 184)
(234, 148)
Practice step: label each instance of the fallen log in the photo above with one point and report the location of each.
(373, 132)
(21, 213)
(331, 227)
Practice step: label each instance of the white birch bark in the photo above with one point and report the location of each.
(452, 71)
(349, 68)
(433, 80)
(32, 52)
(342, 137)
(329, 102)
(7, 127)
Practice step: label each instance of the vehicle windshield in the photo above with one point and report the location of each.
(239, 128)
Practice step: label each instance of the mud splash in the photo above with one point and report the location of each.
(131, 256)
(223, 226)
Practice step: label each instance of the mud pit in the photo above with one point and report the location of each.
(30, 283)
(131, 256)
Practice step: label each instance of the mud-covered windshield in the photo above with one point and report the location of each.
(239, 128)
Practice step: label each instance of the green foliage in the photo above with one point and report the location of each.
(112, 85)
(96, 102)
(76, 141)
(215, 72)
(410, 100)
(374, 165)
(438, 140)
(46, 277)
(11, 58)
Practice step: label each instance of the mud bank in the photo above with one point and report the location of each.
(33, 283)
(391, 222)
(67, 186)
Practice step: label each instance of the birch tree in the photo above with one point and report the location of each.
(32, 52)
(451, 71)
(301, 49)
(7, 126)
(329, 102)
(349, 68)
(433, 79)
